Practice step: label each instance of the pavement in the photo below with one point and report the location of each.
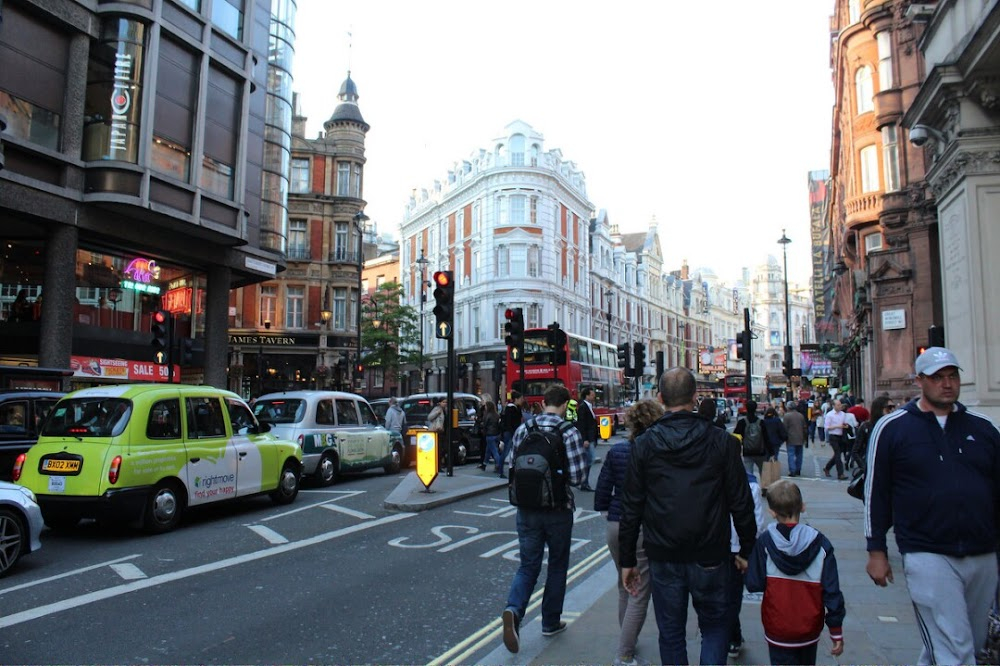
(879, 627)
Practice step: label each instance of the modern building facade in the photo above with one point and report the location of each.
(134, 148)
(954, 117)
(882, 224)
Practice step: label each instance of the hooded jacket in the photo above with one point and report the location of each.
(685, 478)
(937, 488)
(797, 572)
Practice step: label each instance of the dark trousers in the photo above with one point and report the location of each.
(836, 459)
(734, 602)
(786, 656)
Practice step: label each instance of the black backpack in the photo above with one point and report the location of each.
(539, 470)
(753, 439)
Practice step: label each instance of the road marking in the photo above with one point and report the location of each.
(888, 618)
(67, 574)
(349, 512)
(268, 533)
(211, 567)
(343, 494)
(463, 651)
(128, 571)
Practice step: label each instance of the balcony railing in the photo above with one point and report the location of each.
(864, 208)
(299, 253)
(343, 256)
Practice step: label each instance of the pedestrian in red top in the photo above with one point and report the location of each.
(859, 411)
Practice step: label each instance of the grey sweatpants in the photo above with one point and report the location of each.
(631, 610)
(951, 597)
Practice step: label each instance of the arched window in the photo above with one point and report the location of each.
(517, 150)
(864, 90)
(534, 154)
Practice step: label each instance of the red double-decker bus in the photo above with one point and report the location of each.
(583, 363)
(734, 387)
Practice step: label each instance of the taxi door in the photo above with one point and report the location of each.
(351, 438)
(211, 467)
(377, 437)
(251, 459)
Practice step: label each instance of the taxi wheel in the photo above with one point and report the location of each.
(288, 485)
(396, 463)
(12, 539)
(163, 508)
(326, 470)
(461, 454)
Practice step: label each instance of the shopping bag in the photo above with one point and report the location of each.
(856, 487)
(770, 473)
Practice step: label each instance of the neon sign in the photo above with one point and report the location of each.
(143, 270)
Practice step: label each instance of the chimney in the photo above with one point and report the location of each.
(298, 120)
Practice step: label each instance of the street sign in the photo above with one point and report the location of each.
(444, 330)
(427, 457)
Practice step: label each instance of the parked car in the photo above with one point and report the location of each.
(144, 453)
(20, 524)
(463, 445)
(21, 415)
(338, 432)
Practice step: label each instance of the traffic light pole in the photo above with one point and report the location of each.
(451, 404)
(748, 350)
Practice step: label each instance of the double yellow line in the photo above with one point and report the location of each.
(460, 653)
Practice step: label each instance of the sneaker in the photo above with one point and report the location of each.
(511, 623)
(626, 661)
(558, 629)
(734, 650)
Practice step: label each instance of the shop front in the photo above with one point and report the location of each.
(263, 362)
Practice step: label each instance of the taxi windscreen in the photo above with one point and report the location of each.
(280, 410)
(88, 417)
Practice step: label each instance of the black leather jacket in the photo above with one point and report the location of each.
(685, 479)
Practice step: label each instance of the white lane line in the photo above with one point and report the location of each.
(344, 494)
(349, 512)
(268, 533)
(146, 583)
(67, 574)
(128, 571)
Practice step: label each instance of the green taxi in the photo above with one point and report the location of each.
(144, 453)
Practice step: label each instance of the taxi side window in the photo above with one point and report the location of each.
(204, 418)
(324, 412)
(347, 414)
(13, 417)
(240, 416)
(367, 415)
(164, 420)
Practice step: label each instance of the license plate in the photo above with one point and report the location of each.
(61, 466)
(57, 484)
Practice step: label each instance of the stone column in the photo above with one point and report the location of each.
(58, 298)
(217, 326)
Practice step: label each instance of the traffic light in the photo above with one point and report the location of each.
(192, 352)
(557, 343)
(515, 330)
(359, 371)
(935, 336)
(623, 359)
(743, 346)
(162, 330)
(639, 356)
(787, 365)
(499, 367)
(463, 370)
(444, 299)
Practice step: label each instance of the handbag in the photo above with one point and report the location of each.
(856, 487)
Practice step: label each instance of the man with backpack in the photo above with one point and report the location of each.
(547, 458)
(510, 421)
(750, 429)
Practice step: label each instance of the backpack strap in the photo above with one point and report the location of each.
(530, 425)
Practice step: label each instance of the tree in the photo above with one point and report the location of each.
(394, 342)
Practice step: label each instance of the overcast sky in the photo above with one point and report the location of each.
(708, 116)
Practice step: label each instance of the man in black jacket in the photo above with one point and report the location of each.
(586, 423)
(684, 481)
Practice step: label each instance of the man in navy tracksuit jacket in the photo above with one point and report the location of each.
(934, 477)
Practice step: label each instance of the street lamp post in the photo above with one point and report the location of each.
(260, 359)
(608, 294)
(422, 262)
(785, 240)
(359, 220)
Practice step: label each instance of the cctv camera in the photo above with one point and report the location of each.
(919, 134)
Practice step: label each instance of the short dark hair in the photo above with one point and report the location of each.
(556, 395)
(677, 387)
(584, 392)
(707, 408)
(751, 406)
(784, 498)
(514, 395)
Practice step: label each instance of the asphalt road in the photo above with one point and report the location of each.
(332, 578)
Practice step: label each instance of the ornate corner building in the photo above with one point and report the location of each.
(882, 225)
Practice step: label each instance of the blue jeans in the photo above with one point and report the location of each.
(794, 459)
(673, 583)
(493, 450)
(535, 530)
(734, 600)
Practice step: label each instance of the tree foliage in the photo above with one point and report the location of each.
(394, 341)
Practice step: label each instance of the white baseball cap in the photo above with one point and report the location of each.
(935, 358)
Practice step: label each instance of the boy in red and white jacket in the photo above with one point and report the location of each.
(793, 565)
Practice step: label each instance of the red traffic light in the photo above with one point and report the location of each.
(160, 316)
(359, 368)
(442, 278)
(509, 313)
